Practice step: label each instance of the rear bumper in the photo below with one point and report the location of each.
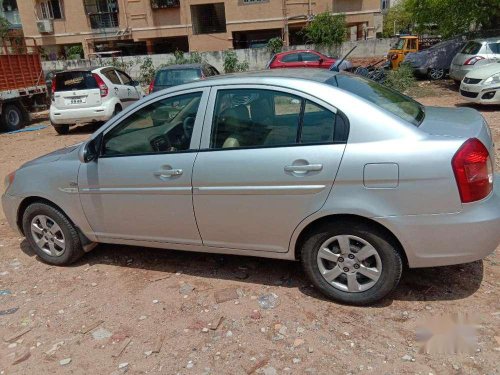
(77, 115)
(458, 72)
(10, 205)
(446, 239)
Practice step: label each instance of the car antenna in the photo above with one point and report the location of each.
(336, 65)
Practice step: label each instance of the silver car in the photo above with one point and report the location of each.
(353, 179)
(475, 54)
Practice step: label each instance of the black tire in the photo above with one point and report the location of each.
(61, 129)
(118, 109)
(12, 118)
(390, 258)
(73, 247)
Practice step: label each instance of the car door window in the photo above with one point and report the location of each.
(163, 126)
(292, 57)
(494, 47)
(111, 75)
(267, 118)
(126, 80)
(308, 56)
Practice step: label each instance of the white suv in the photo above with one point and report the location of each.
(82, 96)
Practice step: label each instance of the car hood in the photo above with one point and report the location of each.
(484, 71)
(53, 156)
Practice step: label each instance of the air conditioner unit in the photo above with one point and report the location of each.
(45, 26)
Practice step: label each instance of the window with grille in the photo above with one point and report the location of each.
(102, 13)
(49, 10)
(161, 4)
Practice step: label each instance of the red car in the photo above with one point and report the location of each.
(300, 59)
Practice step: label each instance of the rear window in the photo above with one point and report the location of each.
(471, 48)
(69, 81)
(382, 96)
(293, 57)
(172, 77)
(494, 47)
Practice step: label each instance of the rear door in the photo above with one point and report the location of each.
(494, 50)
(268, 160)
(311, 60)
(76, 89)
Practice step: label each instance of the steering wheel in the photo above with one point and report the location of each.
(188, 126)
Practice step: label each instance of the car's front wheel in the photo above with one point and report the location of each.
(61, 129)
(436, 74)
(51, 234)
(351, 262)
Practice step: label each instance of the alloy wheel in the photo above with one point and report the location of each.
(48, 235)
(349, 263)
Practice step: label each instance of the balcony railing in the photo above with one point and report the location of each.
(162, 4)
(103, 20)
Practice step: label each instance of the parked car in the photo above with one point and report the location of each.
(174, 75)
(475, 54)
(353, 179)
(83, 96)
(407, 44)
(300, 59)
(482, 85)
(434, 62)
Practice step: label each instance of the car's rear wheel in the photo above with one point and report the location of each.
(51, 234)
(118, 109)
(61, 129)
(436, 74)
(351, 263)
(12, 118)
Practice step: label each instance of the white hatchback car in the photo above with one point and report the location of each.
(482, 85)
(83, 96)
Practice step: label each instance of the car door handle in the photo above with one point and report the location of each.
(304, 168)
(167, 173)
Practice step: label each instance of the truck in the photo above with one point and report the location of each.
(407, 44)
(22, 85)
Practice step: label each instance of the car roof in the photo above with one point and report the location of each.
(184, 66)
(483, 40)
(298, 51)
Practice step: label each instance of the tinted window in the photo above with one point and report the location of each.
(172, 77)
(293, 57)
(494, 47)
(307, 56)
(124, 77)
(69, 81)
(253, 118)
(111, 75)
(382, 96)
(163, 126)
(471, 48)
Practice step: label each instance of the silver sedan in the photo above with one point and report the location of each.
(351, 178)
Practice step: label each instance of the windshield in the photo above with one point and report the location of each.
(172, 77)
(382, 96)
(399, 44)
(69, 81)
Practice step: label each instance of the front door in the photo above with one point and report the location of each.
(132, 92)
(140, 186)
(268, 162)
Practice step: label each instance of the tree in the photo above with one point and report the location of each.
(4, 27)
(326, 30)
(398, 20)
(454, 17)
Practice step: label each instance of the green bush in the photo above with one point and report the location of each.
(147, 70)
(326, 30)
(231, 63)
(275, 45)
(401, 79)
(74, 52)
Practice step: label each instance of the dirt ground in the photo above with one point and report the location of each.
(154, 311)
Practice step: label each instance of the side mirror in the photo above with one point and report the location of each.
(90, 151)
(134, 83)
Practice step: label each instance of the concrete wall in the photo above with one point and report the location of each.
(257, 58)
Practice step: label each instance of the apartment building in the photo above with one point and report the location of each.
(162, 26)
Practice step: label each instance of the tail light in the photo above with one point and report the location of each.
(473, 170)
(102, 86)
(53, 85)
(473, 60)
(151, 86)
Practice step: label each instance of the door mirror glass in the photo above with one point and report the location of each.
(90, 151)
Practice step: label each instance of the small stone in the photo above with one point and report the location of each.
(190, 364)
(143, 317)
(407, 358)
(229, 334)
(65, 361)
(204, 329)
(101, 334)
(346, 334)
(263, 330)
(269, 370)
(427, 307)
(300, 330)
(123, 365)
(455, 367)
(283, 330)
(310, 349)
(147, 353)
(268, 301)
(94, 284)
(296, 360)
(298, 342)
(13, 345)
(21, 356)
(225, 295)
(185, 289)
(61, 311)
(255, 315)
(155, 301)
